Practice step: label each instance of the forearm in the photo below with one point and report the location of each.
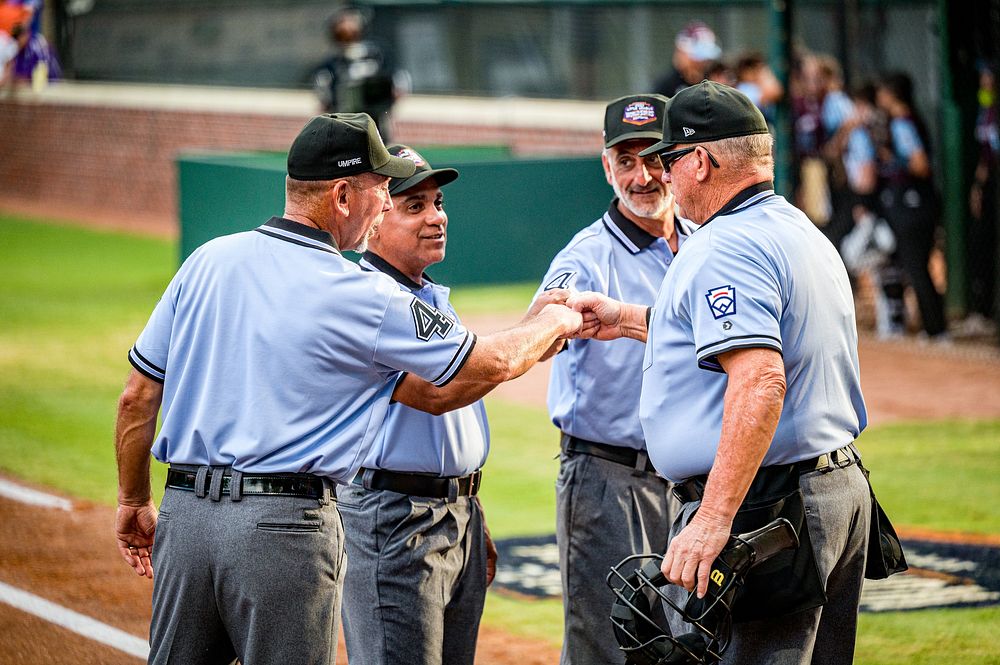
(635, 322)
(752, 407)
(135, 429)
(508, 354)
(416, 393)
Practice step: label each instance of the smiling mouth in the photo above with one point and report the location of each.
(436, 236)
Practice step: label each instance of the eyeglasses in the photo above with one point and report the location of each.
(667, 159)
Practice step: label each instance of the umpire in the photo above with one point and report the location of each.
(755, 324)
(610, 502)
(419, 556)
(275, 359)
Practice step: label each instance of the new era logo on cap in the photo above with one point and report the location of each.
(711, 110)
(639, 113)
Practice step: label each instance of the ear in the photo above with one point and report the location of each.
(607, 167)
(340, 198)
(704, 165)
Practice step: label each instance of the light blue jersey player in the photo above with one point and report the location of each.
(610, 501)
(420, 557)
(754, 326)
(758, 275)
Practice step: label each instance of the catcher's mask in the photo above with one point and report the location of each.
(642, 603)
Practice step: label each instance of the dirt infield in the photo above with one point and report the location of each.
(69, 558)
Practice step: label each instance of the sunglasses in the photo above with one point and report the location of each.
(667, 159)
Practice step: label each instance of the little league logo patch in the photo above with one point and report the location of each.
(639, 113)
(722, 300)
(412, 155)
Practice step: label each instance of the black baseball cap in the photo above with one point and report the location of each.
(336, 145)
(708, 111)
(424, 171)
(634, 117)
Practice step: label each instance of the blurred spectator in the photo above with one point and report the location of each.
(756, 80)
(36, 62)
(695, 49)
(354, 77)
(868, 248)
(908, 198)
(981, 240)
(14, 22)
(722, 73)
(835, 109)
(812, 193)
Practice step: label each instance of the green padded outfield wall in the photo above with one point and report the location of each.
(507, 217)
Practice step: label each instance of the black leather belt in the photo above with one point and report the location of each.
(267, 484)
(625, 456)
(416, 484)
(769, 476)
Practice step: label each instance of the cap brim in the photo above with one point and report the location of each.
(441, 176)
(396, 167)
(662, 146)
(628, 136)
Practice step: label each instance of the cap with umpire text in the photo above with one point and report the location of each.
(336, 145)
(424, 171)
(705, 112)
(634, 117)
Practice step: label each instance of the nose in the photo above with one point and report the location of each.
(665, 177)
(644, 176)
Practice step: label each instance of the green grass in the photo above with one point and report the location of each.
(493, 300)
(72, 302)
(915, 466)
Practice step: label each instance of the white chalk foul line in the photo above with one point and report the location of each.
(74, 621)
(33, 497)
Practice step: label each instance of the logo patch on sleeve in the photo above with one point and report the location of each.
(722, 300)
(430, 321)
(561, 281)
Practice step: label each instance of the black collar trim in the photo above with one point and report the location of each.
(387, 268)
(743, 199)
(298, 234)
(626, 231)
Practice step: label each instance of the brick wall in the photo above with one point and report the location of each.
(100, 162)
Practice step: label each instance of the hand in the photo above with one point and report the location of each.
(691, 553)
(570, 319)
(550, 297)
(602, 316)
(135, 527)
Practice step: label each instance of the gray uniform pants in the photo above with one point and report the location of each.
(605, 511)
(257, 579)
(416, 578)
(838, 509)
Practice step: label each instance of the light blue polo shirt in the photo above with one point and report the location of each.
(279, 355)
(594, 386)
(412, 441)
(758, 274)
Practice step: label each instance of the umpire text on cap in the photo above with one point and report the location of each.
(706, 112)
(336, 145)
(634, 117)
(441, 176)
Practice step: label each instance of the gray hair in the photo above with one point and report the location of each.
(746, 153)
